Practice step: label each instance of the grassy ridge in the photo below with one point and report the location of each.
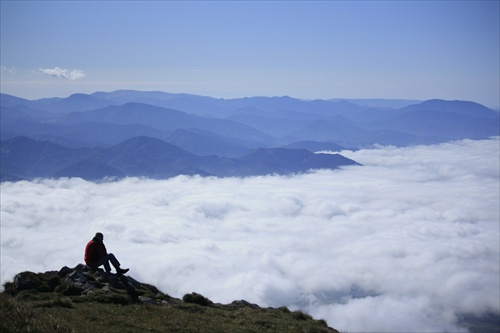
(53, 313)
(43, 302)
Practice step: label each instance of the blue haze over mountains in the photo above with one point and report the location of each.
(161, 135)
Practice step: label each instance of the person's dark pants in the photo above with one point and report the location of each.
(105, 262)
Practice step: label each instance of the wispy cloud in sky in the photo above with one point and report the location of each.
(74, 74)
(8, 69)
(408, 242)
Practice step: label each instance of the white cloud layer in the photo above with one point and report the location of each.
(74, 74)
(408, 242)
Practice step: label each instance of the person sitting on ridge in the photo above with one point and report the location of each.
(96, 255)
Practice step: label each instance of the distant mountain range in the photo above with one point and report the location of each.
(25, 158)
(160, 135)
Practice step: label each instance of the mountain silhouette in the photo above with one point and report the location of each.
(25, 158)
(160, 135)
(315, 146)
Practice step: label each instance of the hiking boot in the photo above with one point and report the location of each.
(121, 271)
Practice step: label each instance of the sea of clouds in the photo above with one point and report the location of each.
(407, 242)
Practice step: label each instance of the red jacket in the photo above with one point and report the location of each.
(93, 252)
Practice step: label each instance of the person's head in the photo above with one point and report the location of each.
(99, 236)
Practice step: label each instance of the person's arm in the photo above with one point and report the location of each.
(90, 253)
(104, 251)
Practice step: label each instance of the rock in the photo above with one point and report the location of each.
(24, 282)
(64, 271)
(197, 299)
(86, 282)
(242, 303)
(147, 300)
(45, 282)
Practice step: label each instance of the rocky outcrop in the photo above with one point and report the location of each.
(89, 283)
(70, 286)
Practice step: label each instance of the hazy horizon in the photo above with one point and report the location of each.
(368, 102)
(305, 49)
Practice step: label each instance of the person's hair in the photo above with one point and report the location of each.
(99, 235)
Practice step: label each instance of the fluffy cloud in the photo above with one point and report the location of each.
(74, 74)
(407, 242)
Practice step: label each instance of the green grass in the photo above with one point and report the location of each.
(52, 312)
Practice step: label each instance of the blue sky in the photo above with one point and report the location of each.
(324, 49)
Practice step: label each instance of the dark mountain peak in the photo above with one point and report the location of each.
(442, 103)
(286, 161)
(138, 107)
(315, 146)
(80, 96)
(154, 158)
(467, 108)
(148, 144)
